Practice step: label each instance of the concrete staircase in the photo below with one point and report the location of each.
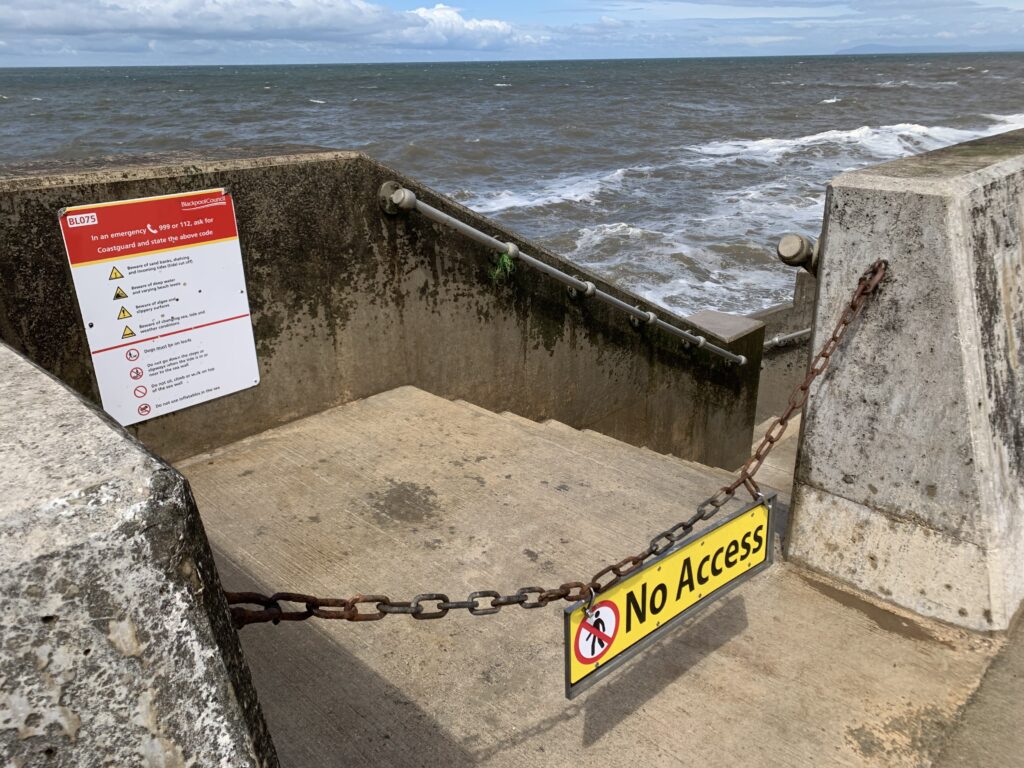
(404, 493)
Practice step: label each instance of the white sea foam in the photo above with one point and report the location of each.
(590, 240)
(938, 84)
(729, 289)
(881, 142)
(503, 85)
(573, 189)
(833, 100)
(316, 101)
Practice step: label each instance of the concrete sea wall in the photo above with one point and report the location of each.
(784, 366)
(348, 302)
(116, 646)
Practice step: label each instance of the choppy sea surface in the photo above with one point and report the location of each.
(671, 177)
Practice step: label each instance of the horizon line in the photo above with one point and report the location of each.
(849, 54)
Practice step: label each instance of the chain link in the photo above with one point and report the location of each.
(435, 605)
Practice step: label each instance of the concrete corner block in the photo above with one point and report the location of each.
(917, 424)
(115, 643)
(927, 571)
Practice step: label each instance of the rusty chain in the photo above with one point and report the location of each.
(435, 605)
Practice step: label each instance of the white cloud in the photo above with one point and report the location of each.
(359, 21)
(444, 27)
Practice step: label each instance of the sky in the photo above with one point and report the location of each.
(161, 32)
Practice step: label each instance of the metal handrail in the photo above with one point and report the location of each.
(394, 198)
(782, 339)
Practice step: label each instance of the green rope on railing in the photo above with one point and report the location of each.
(503, 268)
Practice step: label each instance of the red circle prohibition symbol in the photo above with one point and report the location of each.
(144, 409)
(141, 391)
(599, 639)
(131, 355)
(136, 373)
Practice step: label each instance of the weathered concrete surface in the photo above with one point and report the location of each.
(348, 301)
(783, 368)
(115, 644)
(989, 730)
(405, 493)
(909, 481)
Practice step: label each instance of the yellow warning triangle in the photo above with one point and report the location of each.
(119, 293)
(124, 314)
(115, 274)
(128, 333)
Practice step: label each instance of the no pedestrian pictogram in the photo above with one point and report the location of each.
(144, 409)
(596, 633)
(141, 391)
(136, 373)
(131, 355)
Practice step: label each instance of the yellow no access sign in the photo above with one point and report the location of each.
(637, 611)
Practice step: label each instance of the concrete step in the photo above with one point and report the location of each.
(404, 493)
(776, 474)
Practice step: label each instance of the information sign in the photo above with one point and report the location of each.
(162, 293)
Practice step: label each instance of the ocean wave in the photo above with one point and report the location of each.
(938, 84)
(728, 289)
(833, 100)
(316, 101)
(574, 189)
(881, 142)
(592, 240)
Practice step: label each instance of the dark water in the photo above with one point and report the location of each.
(673, 177)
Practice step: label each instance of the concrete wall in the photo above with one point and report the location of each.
(784, 367)
(910, 479)
(116, 647)
(348, 301)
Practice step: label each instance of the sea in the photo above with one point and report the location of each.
(671, 177)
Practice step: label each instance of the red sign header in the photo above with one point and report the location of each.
(137, 227)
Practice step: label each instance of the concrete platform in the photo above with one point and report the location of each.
(405, 492)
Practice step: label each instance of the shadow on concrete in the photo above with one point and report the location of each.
(307, 685)
(626, 691)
